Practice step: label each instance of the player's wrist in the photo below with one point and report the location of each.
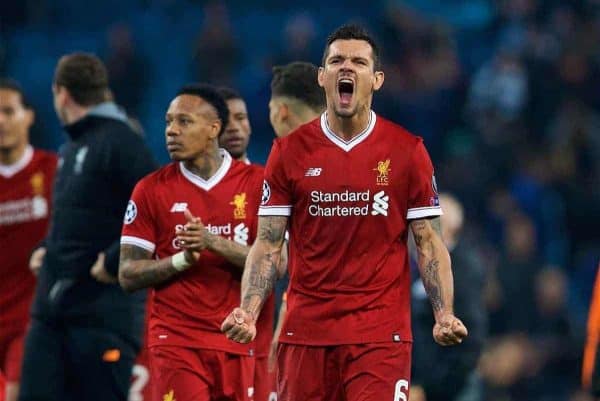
(251, 314)
(211, 240)
(443, 315)
(180, 261)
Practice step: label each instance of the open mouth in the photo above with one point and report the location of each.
(345, 90)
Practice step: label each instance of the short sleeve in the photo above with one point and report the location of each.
(276, 193)
(423, 198)
(255, 192)
(138, 228)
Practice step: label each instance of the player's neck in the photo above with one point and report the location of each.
(303, 117)
(349, 127)
(206, 165)
(243, 158)
(12, 155)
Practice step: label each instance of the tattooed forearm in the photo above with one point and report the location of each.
(230, 250)
(258, 281)
(272, 229)
(262, 263)
(436, 224)
(138, 270)
(434, 264)
(433, 285)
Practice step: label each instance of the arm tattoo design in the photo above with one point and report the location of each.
(429, 260)
(230, 250)
(138, 270)
(432, 283)
(263, 260)
(436, 223)
(272, 229)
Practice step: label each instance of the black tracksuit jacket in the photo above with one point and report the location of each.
(98, 168)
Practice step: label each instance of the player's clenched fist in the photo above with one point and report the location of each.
(239, 326)
(449, 330)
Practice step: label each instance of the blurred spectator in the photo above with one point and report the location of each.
(498, 96)
(454, 376)
(299, 34)
(127, 69)
(505, 366)
(516, 273)
(216, 54)
(555, 348)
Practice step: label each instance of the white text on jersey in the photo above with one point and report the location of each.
(330, 204)
(178, 207)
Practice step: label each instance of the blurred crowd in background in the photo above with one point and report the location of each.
(506, 94)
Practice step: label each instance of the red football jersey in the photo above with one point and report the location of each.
(25, 203)
(349, 204)
(188, 311)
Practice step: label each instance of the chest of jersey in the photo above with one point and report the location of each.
(226, 210)
(25, 197)
(365, 182)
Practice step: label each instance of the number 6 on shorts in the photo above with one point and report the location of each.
(400, 391)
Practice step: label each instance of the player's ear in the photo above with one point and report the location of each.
(60, 94)
(215, 129)
(321, 76)
(283, 112)
(378, 80)
(30, 116)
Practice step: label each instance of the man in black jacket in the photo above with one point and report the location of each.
(85, 330)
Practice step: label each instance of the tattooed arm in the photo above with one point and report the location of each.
(260, 275)
(434, 264)
(436, 274)
(137, 268)
(229, 249)
(262, 263)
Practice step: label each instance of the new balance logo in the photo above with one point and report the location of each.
(178, 207)
(313, 172)
(380, 204)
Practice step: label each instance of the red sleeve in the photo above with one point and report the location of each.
(256, 193)
(276, 192)
(138, 228)
(422, 192)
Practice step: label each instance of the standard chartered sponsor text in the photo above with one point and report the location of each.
(361, 202)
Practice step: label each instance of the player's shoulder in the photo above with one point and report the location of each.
(44, 156)
(397, 133)
(163, 176)
(252, 170)
(305, 133)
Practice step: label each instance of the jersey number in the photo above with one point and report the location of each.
(400, 391)
(140, 379)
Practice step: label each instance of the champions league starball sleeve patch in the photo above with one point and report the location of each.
(266, 193)
(130, 213)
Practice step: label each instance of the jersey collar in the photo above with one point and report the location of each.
(215, 179)
(342, 143)
(12, 169)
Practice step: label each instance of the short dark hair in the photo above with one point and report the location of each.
(11, 84)
(299, 80)
(353, 31)
(85, 77)
(211, 95)
(228, 93)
